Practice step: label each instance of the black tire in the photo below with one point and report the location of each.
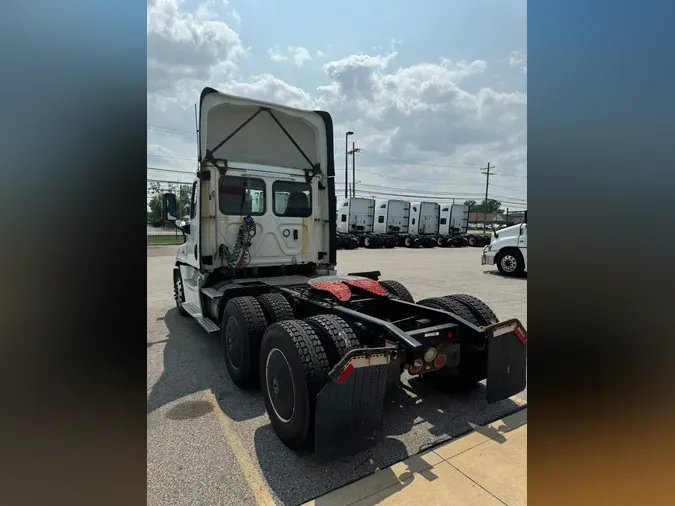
(451, 306)
(472, 240)
(396, 288)
(179, 292)
(408, 241)
(368, 242)
(510, 263)
(440, 241)
(275, 307)
(335, 334)
(243, 326)
(293, 370)
(479, 308)
(417, 242)
(353, 243)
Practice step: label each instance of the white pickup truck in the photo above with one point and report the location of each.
(508, 250)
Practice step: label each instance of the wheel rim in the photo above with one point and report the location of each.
(280, 385)
(233, 342)
(509, 263)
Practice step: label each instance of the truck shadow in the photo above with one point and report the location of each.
(192, 363)
(417, 417)
(498, 274)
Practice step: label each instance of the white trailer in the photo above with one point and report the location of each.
(454, 219)
(392, 216)
(424, 222)
(356, 217)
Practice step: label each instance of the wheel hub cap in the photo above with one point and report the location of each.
(232, 342)
(280, 387)
(509, 263)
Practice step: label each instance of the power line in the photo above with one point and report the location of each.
(172, 170)
(427, 192)
(460, 196)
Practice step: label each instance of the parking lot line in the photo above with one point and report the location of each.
(248, 468)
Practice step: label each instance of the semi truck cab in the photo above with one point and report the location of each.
(508, 250)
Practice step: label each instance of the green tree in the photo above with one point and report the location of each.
(492, 206)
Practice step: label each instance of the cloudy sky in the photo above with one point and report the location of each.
(434, 90)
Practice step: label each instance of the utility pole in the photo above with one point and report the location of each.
(347, 163)
(487, 186)
(353, 153)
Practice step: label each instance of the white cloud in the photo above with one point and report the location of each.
(185, 45)
(518, 60)
(435, 111)
(275, 54)
(300, 55)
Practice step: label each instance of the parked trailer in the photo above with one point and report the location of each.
(357, 217)
(322, 347)
(424, 223)
(392, 219)
(454, 224)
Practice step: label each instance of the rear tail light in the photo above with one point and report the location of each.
(414, 370)
(440, 361)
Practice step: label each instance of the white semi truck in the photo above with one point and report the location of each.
(356, 217)
(258, 268)
(508, 249)
(454, 224)
(425, 218)
(392, 217)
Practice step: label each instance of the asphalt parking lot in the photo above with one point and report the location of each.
(211, 443)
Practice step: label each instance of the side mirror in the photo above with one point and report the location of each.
(169, 201)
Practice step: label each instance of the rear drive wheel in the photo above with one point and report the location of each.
(510, 263)
(396, 288)
(275, 307)
(242, 329)
(408, 241)
(179, 292)
(440, 241)
(451, 306)
(368, 242)
(480, 309)
(293, 370)
(473, 241)
(335, 334)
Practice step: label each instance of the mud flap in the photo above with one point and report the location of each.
(506, 360)
(349, 408)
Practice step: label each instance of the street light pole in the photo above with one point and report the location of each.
(347, 163)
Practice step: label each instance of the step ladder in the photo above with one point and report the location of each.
(194, 311)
